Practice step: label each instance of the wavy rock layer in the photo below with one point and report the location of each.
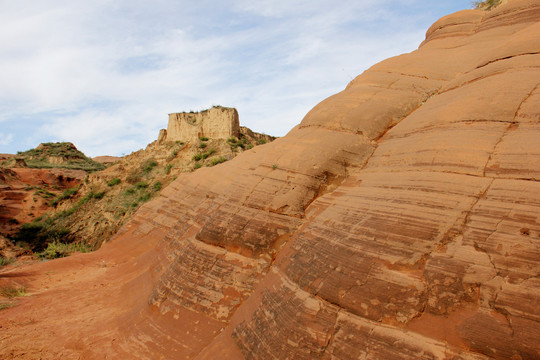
(399, 220)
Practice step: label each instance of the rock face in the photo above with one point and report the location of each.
(399, 220)
(215, 123)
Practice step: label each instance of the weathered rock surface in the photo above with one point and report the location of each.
(399, 220)
(216, 122)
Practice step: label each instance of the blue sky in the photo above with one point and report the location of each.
(104, 74)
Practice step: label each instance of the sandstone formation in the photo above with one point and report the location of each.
(399, 220)
(217, 122)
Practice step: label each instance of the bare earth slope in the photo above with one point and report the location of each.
(399, 220)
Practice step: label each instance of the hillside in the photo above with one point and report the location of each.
(89, 213)
(398, 220)
(62, 155)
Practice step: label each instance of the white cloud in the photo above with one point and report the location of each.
(5, 139)
(104, 75)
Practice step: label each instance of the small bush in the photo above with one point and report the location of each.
(145, 197)
(202, 145)
(99, 195)
(275, 166)
(197, 157)
(149, 165)
(66, 194)
(203, 138)
(261, 141)
(113, 182)
(157, 186)
(130, 191)
(168, 168)
(38, 234)
(57, 250)
(141, 185)
(197, 166)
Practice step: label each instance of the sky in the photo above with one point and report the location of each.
(105, 74)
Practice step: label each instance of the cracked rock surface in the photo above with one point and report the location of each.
(399, 220)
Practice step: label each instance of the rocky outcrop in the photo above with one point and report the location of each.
(215, 123)
(399, 220)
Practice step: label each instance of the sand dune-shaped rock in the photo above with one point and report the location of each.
(399, 220)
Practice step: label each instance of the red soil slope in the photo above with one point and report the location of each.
(21, 199)
(399, 220)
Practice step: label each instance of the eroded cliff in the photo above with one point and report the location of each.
(399, 220)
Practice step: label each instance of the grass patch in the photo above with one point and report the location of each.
(197, 166)
(209, 153)
(113, 182)
(197, 157)
(149, 165)
(157, 186)
(141, 185)
(486, 5)
(217, 160)
(203, 138)
(5, 261)
(261, 141)
(66, 194)
(203, 145)
(12, 291)
(167, 168)
(58, 249)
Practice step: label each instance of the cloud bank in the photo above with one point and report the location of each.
(104, 75)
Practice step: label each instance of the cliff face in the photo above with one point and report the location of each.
(217, 123)
(399, 220)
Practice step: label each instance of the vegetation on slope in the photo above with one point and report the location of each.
(88, 215)
(487, 4)
(57, 155)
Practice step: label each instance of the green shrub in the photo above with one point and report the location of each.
(113, 182)
(66, 194)
(130, 191)
(197, 157)
(197, 166)
(217, 160)
(149, 165)
(157, 186)
(56, 250)
(141, 185)
(209, 153)
(39, 234)
(168, 168)
(203, 138)
(98, 195)
(487, 4)
(261, 141)
(202, 145)
(145, 197)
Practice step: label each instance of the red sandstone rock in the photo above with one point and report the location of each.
(399, 220)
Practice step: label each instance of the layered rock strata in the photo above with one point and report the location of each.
(399, 220)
